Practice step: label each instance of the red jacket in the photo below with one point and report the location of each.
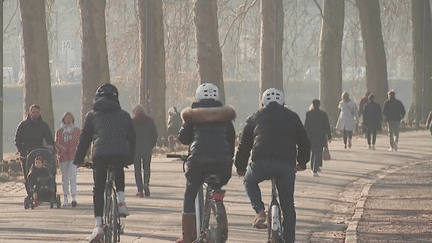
(66, 147)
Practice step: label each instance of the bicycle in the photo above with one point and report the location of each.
(274, 218)
(211, 229)
(113, 227)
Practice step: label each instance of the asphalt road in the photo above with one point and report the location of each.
(325, 204)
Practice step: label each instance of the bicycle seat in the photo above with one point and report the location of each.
(211, 179)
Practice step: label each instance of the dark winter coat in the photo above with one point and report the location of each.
(111, 131)
(146, 134)
(317, 127)
(372, 117)
(393, 110)
(30, 134)
(209, 131)
(273, 132)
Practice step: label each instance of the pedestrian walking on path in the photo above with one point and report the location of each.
(146, 138)
(372, 121)
(31, 134)
(317, 127)
(394, 111)
(66, 141)
(280, 147)
(348, 118)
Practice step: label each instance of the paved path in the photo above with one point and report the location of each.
(325, 204)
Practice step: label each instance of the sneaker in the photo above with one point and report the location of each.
(369, 146)
(74, 203)
(146, 190)
(259, 220)
(98, 234)
(345, 146)
(349, 144)
(319, 169)
(390, 149)
(315, 174)
(140, 194)
(373, 147)
(123, 211)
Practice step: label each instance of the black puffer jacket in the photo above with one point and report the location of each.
(393, 110)
(209, 131)
(30, 134)
(111, 131)
(273, 132)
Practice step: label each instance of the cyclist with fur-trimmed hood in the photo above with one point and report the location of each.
(209, 131)
(280, 147)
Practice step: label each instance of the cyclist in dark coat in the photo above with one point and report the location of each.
(277, 139)
(209, 131)
(30, 134)
(110, 130)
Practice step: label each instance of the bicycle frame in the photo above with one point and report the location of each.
(213, 203)
(111, 218)
(203, 209)
(274, 218)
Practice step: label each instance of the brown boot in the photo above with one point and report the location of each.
(188, 228)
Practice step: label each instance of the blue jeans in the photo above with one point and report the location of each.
(260, 170)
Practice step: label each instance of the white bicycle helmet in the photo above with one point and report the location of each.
(207, 91)
(271, 95)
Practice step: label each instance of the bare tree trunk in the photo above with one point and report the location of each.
(152, 61)
(272, 24)
(37, 88)
(330, 60)
(422, 54)
(1, 81)
(376, 64)
(209, 52)
(95, 69)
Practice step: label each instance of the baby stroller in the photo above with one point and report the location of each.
(41, 181)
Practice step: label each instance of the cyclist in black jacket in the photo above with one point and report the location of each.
(277, 139)
(111, 131)
(209, 131)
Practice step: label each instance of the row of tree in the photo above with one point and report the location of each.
(152, 85)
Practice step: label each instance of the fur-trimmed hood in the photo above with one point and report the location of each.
(208, 114)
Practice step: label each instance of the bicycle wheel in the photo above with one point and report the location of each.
(112, 219)
(274, 221)
(222, 221)
(199, 210)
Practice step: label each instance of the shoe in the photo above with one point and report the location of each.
(140, 194)
(146, 191)
(259, 220)
(345, 146)
(373, 147)
(97, 235)
(395, 148)
(36, 202)
(74, 204)
(123, 211)
(319, 169)
(349, 144)
(390, 149)
(315, 174)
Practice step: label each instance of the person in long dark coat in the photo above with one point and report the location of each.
(372, 121)
(318, 130)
